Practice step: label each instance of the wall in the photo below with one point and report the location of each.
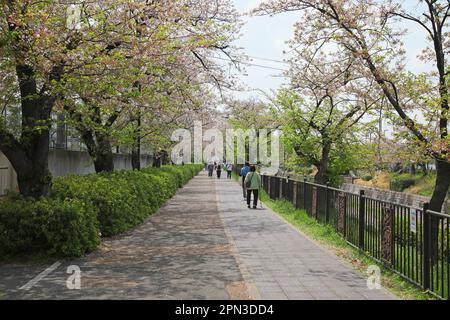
(402, 198)
(64, 162)
(7, 175)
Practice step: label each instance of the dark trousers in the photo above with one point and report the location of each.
(255, 197)
(219, 173)
(244, 193)
(229, 174)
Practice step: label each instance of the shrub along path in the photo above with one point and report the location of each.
(181, 252)
(204, 244)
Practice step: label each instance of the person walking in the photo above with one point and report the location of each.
(219, 170)
(253, 184)
(210, 170)
(229, 170)
(243, 174)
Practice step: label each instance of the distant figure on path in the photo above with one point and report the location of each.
(243, 174)
(219, 171)
(253, 183)
(210, 169)
(229, 170)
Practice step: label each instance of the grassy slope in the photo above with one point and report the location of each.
(423, 187)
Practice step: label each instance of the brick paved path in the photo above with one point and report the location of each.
(283, 263)
(204, 244)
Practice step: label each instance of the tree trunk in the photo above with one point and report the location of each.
(136, 159)
(322, 175)
(103, 159)
(30, 161)
(157, 162)
(99, 149)
(29, 155)
(103, 162)
(136, 152)
(36, 182)
(436, 203)
(441, 187)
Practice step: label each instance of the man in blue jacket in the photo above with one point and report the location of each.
(243, 174)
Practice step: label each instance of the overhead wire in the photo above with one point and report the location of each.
(252, 64)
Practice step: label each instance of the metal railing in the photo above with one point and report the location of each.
(412, 242)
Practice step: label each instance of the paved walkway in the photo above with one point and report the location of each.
(282, 263)
(204, 244)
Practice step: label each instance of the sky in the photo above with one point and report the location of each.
(265, 37)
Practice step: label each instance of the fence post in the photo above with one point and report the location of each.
(314, 211)
(426, 246)
(304, 193)
(327, 211)
(294, 193)
(342, 219)
(280, 193)
(362, 222)
(387, 234)
(272, 187)
(288, 189)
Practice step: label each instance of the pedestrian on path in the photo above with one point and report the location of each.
(253, 184)
(210, 169)
(243, 174)
(219, 170)
(229, 170)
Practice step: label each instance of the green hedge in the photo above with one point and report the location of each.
(124, 199)
(400, 182)
(53, 226)
(83, 208)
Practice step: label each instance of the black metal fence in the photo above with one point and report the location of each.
(413, 242)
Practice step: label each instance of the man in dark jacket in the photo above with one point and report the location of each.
(243, 174)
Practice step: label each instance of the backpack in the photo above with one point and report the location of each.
(248, 184)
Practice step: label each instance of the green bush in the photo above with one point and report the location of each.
(367, 177)
(400, 182)
(52, 226)
(125, 199)
(84, 207)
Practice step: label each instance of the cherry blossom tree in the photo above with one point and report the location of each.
(368, 31)
(326, 102)
(89, 67)
(168, 51)
(33, 46)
